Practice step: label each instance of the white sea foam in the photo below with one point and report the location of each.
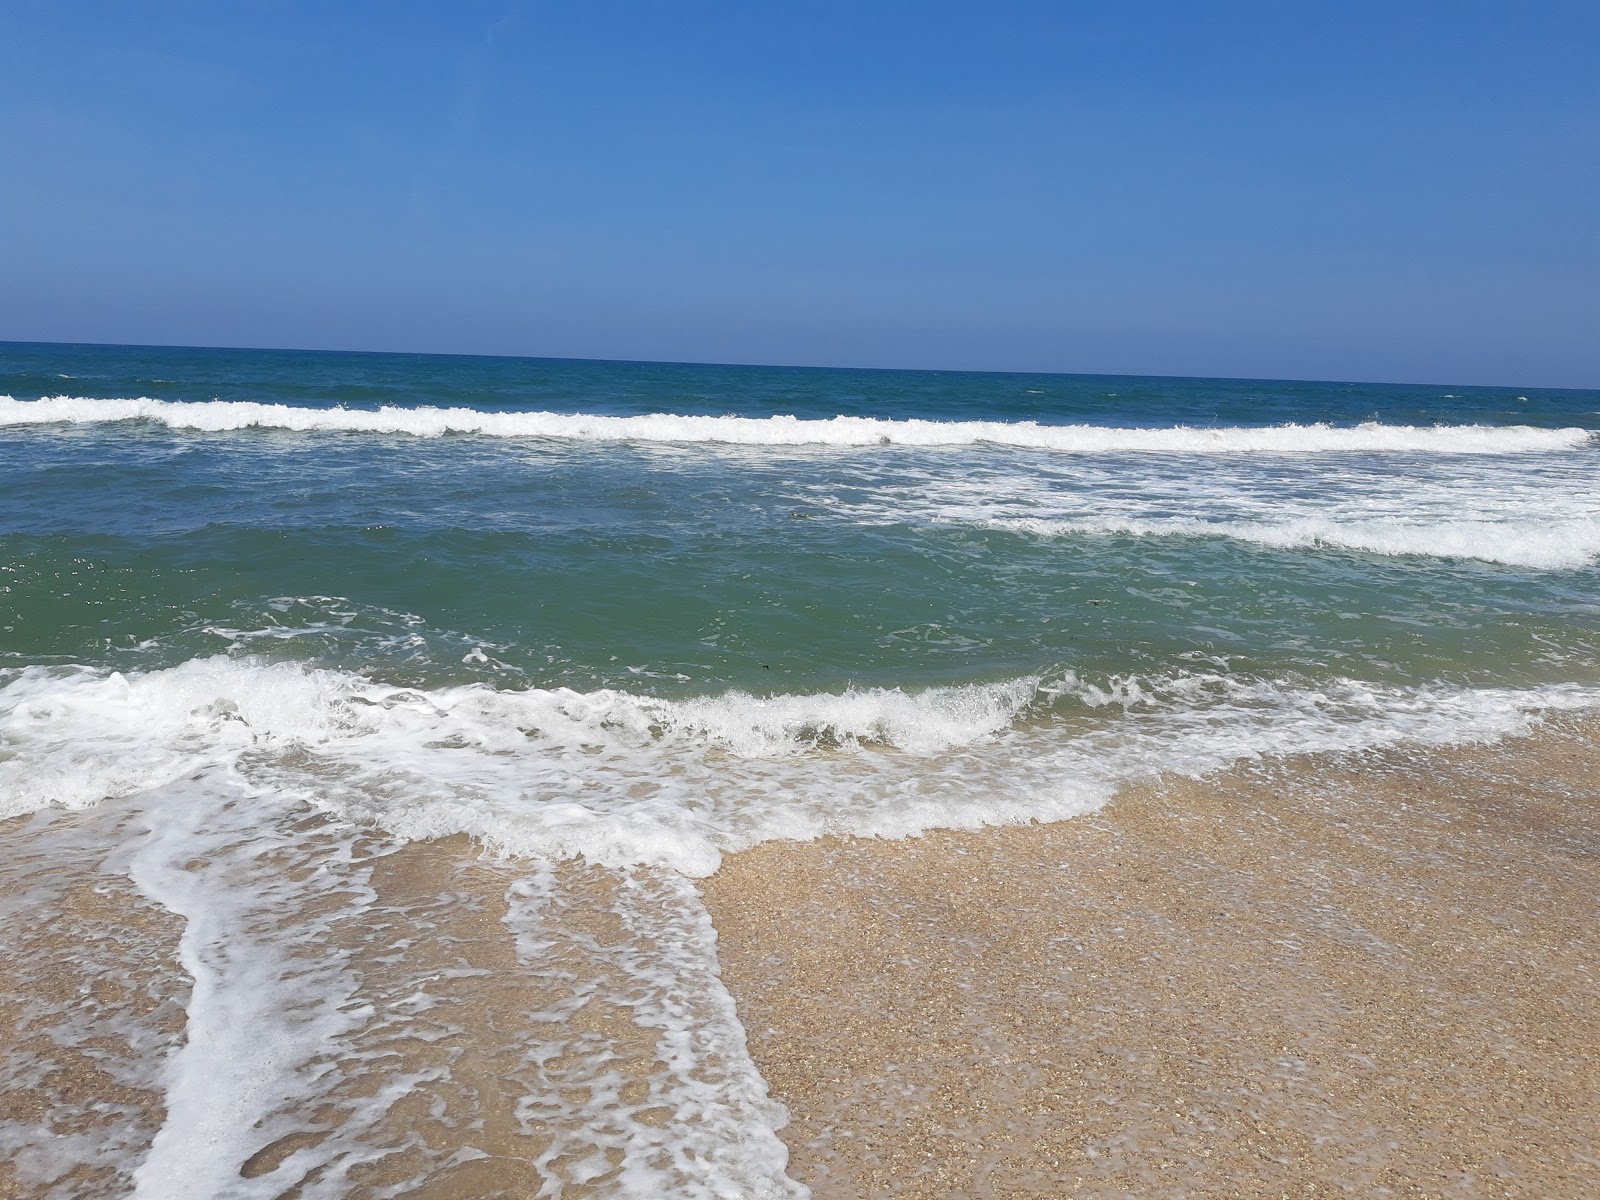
(306, 1009)
(1541, 512)
(221, 415)
(322, 1024)
(269, 994)
(712, 1127)
(620, 778)
(1541, 545)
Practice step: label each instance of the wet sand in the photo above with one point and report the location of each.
(1373, 977)
(1378, 977)
(475, 1067)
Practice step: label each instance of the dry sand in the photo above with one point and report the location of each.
(1373, 978)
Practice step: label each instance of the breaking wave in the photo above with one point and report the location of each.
(620, 778)
(1553, 544)
(842, 431)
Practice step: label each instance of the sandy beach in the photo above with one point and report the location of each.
(1316, 977)
(1374, 978)
(799, 602)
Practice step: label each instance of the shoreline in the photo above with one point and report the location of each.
(1365, 976)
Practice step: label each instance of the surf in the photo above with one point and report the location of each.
(217, 416)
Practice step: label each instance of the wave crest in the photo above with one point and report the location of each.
(842, 431)
(620, 778)
(1555, 543)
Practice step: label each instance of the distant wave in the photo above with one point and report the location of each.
(221, 415)
(1552, 544)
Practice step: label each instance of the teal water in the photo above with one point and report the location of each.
(268, 617)
(699, 566)
(808, 552)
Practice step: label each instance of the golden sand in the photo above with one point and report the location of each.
(105, 954)
(1371, 978)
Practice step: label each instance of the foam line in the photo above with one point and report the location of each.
(222, 415)
(618, 778)
(712, 1130)
(1550, 544)
(266, 1001)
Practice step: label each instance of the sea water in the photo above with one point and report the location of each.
(271, 620)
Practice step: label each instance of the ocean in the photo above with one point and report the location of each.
(367, 720)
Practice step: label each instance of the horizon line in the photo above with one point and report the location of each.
(668, 362)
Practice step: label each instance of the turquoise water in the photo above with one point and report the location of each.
(269, 618)
(755, 565)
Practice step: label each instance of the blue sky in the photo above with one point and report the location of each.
(1344, 190)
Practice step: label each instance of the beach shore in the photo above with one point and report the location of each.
(1373, 977)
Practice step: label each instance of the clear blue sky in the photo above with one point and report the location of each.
(1343, 189)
